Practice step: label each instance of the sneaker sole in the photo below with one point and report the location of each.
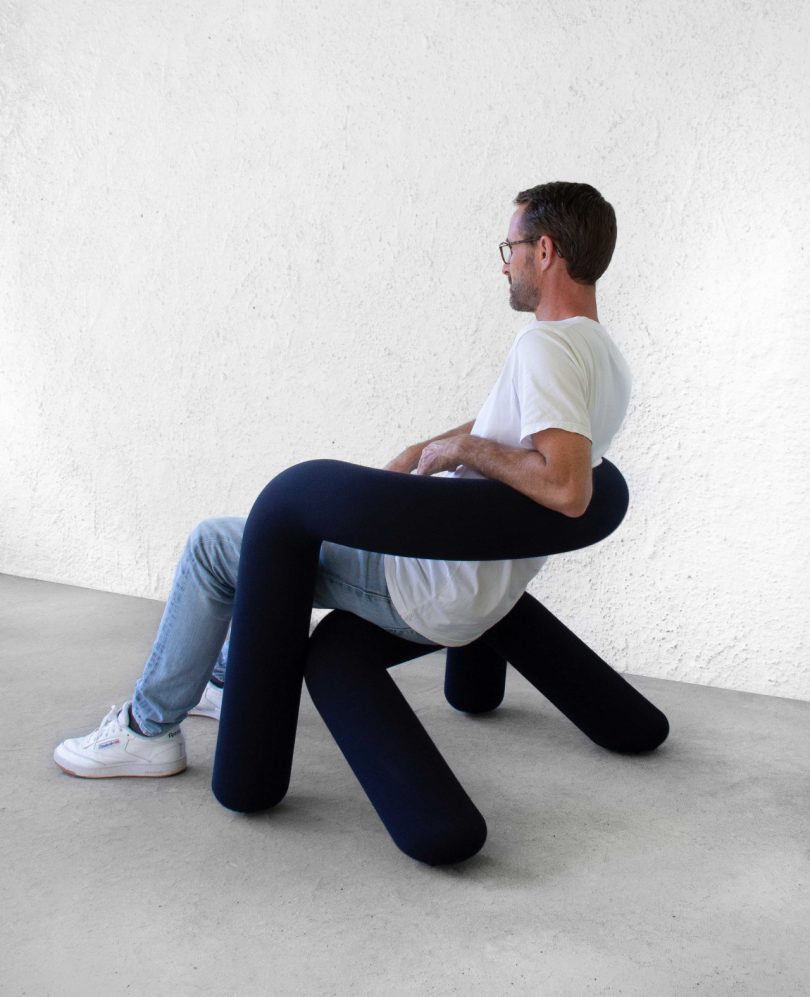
(200, 713)
(135, 771)
(121, 775)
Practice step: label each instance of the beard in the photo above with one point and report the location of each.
(522, 298)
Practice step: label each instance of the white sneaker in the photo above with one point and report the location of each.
(114, 749)
(211, 703)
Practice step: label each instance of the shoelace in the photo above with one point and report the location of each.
(106, 727)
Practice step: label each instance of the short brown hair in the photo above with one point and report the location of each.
(578, 220)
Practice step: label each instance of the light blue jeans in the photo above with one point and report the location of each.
(190, 646)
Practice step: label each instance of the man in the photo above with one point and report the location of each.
(550, 417)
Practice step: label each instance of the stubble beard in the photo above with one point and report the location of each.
(519, 298)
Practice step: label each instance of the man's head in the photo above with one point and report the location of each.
(571, 233)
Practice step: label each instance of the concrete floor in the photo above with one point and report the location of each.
(682, 872)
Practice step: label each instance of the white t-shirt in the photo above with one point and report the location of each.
(568, 375)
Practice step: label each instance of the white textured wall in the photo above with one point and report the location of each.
(239, 235)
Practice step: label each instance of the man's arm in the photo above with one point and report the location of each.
(409, 458)
(556, 473)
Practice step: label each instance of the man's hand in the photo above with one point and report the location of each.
(406, 461)
(441, 455)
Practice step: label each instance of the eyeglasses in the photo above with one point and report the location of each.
(506, 248)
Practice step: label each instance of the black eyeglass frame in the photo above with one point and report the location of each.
(519, 242)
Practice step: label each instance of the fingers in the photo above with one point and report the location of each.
(430, 460)
(404, 463)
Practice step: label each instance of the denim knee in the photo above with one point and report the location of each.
(213, 548)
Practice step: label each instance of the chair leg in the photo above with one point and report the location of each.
(418, 798)
(474, 678)
(577, 681)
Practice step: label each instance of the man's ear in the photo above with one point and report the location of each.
(544, 252)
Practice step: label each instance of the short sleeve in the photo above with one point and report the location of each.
(551, 385)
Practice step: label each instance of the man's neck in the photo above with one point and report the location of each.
(568, 306)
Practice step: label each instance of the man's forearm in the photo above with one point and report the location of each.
(527, 471)
(458, 431)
